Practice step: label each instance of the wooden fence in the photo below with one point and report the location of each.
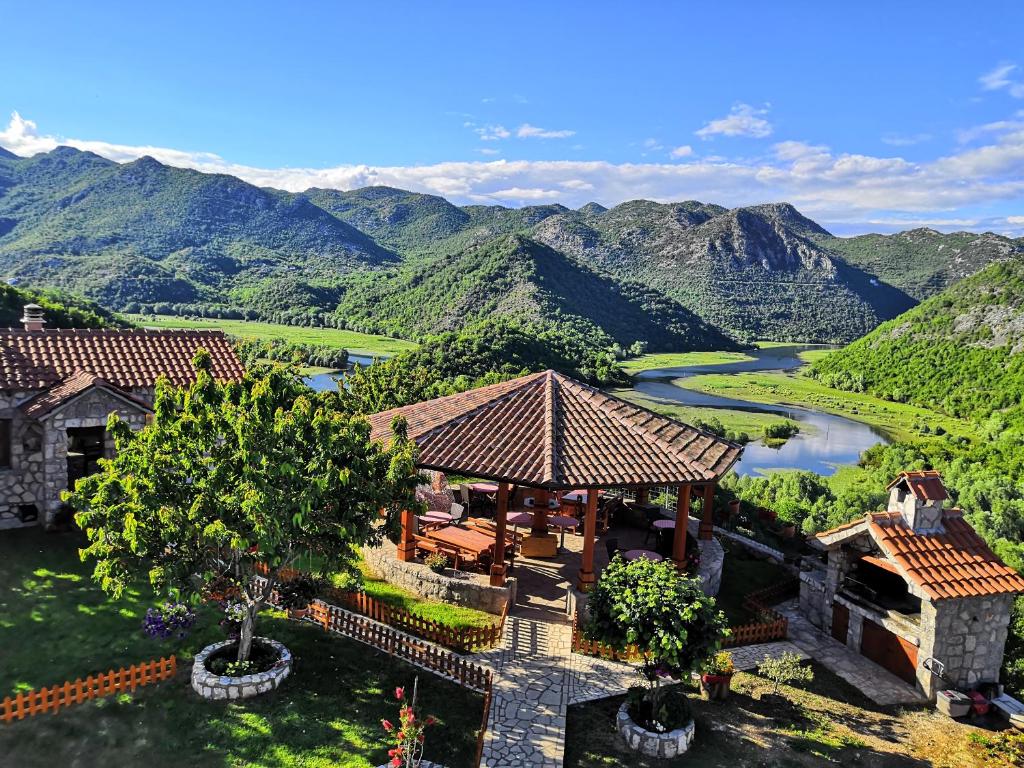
(769, 626)
(462, 639)
(57, 697)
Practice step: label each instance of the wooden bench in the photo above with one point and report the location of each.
(456, 556)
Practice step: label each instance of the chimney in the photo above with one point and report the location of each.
(918, 497)
(33, 318)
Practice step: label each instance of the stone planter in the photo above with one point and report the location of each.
(211, 686)
(669, 744)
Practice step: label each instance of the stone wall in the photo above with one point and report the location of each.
(457, 587)
(812, 596)
(38, 472)
(968, 636)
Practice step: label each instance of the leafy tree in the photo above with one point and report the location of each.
(229, 476)
(666, 615)
(785, 670)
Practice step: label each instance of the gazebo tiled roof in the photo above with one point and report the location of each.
(546, 430)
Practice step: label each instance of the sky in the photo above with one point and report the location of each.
(866, 116)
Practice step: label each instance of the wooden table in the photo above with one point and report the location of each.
(519, 518)
(665, 524)
(635, 554)
(579, 496)
(463, 538)
(484, 487)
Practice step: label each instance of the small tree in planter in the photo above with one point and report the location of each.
(232, 477)
(663, 614)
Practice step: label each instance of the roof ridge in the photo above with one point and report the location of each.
(551, 385)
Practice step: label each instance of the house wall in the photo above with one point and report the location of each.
(39, 471)
(968, 636)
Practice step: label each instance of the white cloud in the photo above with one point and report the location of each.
(652, 144)
(488, 151)
(850, 190)
(742, 120)
(999, 79)
(493, 132)
(684, 151)
(527, 131)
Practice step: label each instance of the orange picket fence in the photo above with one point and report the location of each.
(57, 697)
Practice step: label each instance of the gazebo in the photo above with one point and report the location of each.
(550, 433)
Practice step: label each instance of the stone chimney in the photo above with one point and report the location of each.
(33, 318)
(918, 497)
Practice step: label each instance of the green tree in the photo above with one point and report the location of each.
(229, 477)
(664, 614)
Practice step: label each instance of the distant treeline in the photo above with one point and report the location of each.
(251, 350)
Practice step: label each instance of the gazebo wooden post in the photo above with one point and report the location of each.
(498, 562)
(407, 544)
(682, 521)
(586, 575)
(707, 522)
(641, 494)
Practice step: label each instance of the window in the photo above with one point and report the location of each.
(5, 443)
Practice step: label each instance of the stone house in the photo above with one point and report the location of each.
(914, 589)
(57, 388)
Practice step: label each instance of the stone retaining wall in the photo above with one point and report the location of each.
(457, 587)
(671, 744)
(211, 686)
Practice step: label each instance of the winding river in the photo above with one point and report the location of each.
(825, 440)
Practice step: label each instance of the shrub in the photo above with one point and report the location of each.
(787, 669)
(436, 561)
(297, 593)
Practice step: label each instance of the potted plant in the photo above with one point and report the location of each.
(788, 530)
(436, 561)
(676, 628)
(733, 508)
(297, 593)
(717, 676)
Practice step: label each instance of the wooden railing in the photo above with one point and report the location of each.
(769, 626)
(57, 697)
(462, 639)
(395, 643)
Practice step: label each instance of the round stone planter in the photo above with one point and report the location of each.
(211, 686)
(669, 744)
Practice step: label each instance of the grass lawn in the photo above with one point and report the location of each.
(734, 421)
(830, 723)
(741, 575)
(897, 420)
(56, 625)
(676, 359)
(357, 343)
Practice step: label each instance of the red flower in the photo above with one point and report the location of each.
(387, 725)
(396, 762)
(430, 720)
(399, 693)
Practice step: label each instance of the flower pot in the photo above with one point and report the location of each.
(734, 507)
(788, 530)
(715, 686)
(767, 515)
(298, 613)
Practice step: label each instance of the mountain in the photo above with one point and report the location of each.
(960, 352)
(757, 272)
(516, 278)
(145, 232)
(145, 235)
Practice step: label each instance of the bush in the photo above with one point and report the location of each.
(787, 669)
(297, 593)
(436, 561)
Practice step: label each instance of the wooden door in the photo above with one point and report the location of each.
(840, 622)
(889, 650)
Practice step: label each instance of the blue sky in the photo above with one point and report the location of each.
(866, 116)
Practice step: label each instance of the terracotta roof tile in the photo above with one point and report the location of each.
(955, 563)
(125, 358)
(925, 485)
(546, 430)
(76, 384)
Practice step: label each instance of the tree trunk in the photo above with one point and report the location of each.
(248, 630)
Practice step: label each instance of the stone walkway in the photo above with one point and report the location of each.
(749, 656)
(879, 685)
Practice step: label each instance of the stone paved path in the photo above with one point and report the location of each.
(879, 685)
(749, 656)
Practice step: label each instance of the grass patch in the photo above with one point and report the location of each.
(741, 575)
(353, 341)
(677, 359)
(444, 613)
(829, 723)
(56, 625)
(898, 421)
(733, 421)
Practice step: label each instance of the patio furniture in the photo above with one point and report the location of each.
(636, 554)
(465, 540)
(612, 547)
(457, 512)
(652, 516)
(562, 522)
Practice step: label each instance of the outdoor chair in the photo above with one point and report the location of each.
(457, 512)
(651, 515)
(612, 546)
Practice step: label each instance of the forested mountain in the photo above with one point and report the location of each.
(516, 278)
(143, 235)
(960, 352)
(60, 310)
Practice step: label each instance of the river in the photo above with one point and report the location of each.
(825, 440)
